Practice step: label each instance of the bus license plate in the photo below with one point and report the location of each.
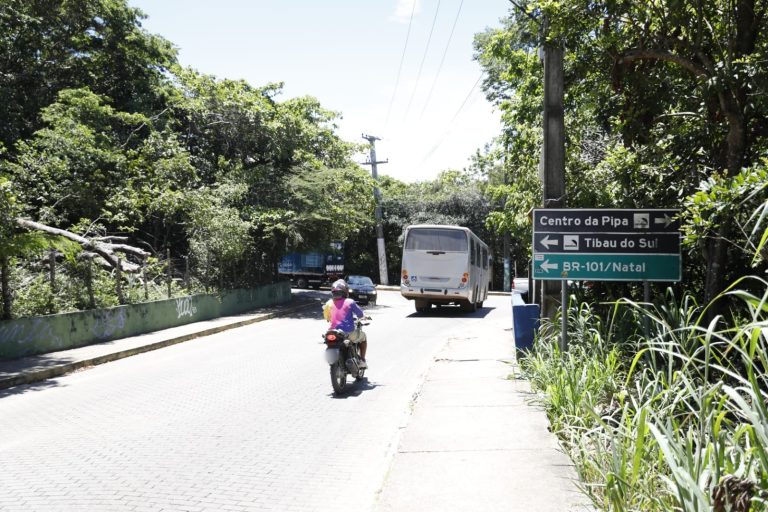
(363, 296)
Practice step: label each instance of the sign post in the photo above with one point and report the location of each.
(564, 316)
(606, 245)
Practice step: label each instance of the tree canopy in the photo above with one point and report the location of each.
(664, 108)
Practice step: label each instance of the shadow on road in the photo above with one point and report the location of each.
(451, 312)
(311, 310)
(355, 389)
(29, 388)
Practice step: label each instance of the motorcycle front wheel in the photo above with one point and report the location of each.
(338, 377)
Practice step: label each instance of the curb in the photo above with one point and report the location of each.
(31, 376)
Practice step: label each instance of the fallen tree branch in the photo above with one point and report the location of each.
(104, 249)
(110, 239)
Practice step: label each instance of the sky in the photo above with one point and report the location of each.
(400, 70)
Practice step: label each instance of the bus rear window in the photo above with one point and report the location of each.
(429, 239)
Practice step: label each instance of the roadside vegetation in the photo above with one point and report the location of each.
(673, 420)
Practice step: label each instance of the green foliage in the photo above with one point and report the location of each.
(329, 204)
(217, 233)
(659, 98)
(68, 170)
(722, 197)
(16, 243)
(230, 126)
(48, 46)
(672, 421)
(9, 208)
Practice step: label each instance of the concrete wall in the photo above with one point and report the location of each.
(38, 335)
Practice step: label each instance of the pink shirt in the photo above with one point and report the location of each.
(342, 314)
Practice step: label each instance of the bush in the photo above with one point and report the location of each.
(675, 420)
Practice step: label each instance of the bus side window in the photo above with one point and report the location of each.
(472, 251)
(485, 258)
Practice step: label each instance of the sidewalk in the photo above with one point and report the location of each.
(475, 443)
(46, 366)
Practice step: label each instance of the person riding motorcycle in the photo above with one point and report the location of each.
(341, 312)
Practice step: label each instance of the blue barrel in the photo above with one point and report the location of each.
(525, 323)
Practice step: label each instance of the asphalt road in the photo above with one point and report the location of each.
(242, 420)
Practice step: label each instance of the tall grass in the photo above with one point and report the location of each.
(672, 420)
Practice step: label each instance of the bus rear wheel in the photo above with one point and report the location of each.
(468, 307)
(422, 306)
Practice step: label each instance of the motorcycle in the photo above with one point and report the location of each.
(343, 355)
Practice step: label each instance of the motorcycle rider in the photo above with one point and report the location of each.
(341, 312)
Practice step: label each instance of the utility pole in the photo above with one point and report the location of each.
(383, 279)
(506, 286)
(552, 165)
(553, 154)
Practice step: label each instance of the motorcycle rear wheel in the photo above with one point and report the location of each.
(338, 377)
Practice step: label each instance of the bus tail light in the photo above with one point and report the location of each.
(405, 279)
(464, 280)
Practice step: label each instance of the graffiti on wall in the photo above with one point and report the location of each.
(26, 333)
(185, 306)
(108, 323)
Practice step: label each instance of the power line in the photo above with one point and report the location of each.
(402, 58)
(423, 58)
(442, 61)
(450, 123)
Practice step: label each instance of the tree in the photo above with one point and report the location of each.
(93, 162)
(660, 96)
(296, 176)
(47, 46)
(711, 52)
(71, 168)
(8, 243)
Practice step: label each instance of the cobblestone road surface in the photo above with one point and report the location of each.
(239, 421)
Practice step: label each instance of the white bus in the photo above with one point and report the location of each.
(444, 265)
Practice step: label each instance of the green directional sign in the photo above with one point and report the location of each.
(606, 244)
(607, 267)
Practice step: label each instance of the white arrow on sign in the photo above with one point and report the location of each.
(546, 266)
(546, 242)
(666, 220)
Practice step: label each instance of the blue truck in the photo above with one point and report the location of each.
(313, 269)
